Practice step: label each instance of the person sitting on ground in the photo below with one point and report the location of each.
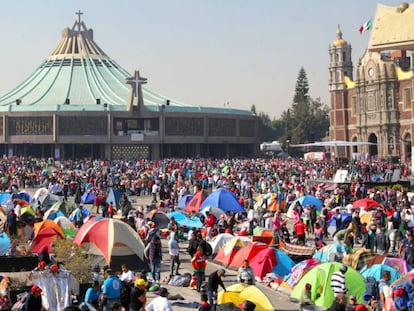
(339, 303)
(245, 274)
(306, 296)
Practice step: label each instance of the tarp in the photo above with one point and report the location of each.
(160, 219)
(224, 200)
(359, 258)
(304, 201)
(4, 243)
(263, 262)
(183, 220)
(196, 201)
(88, 198)
(284, 263)
(377, 270)
(114, 196)
(229, 250)
(238, 293)
(320, 279)
(297, 272)
(219, 240)
(113, 239)
(182, 203)
(247, 252)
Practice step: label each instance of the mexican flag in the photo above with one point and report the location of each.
(365, 27)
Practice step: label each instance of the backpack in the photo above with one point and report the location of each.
(371, 289)
(400, 298)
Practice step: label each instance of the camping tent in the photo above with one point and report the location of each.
(297, 272)
(263, 235)
(320, 279)
(66, 225)
(113, 240)
(283, 265)
(238, 293)
(4, 198)
(219, 240)
(4, 243)
(229, 250)
(304, 201)
(182, 203)
(196, 201)
(88, 197)
(114, 196)
(45, 198)
(377, 270)
(248, 252)
(45, 232)
(160, 219)
(224, 200)
(263, 262)
(366, 203)
(217, 212)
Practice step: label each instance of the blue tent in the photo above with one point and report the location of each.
(53, 216)
(346, 220)
(377, 270)
(284, 263)
(182, 203)
(114, 196)
(224, 200)
(4, 198)
(308, 200)
(327, 253)
(183, 220)
(4, 243)
(85, 213)
(22, 196)
(88, 198)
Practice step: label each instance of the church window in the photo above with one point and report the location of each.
(343, 56)
(407, 98)
(354, 105)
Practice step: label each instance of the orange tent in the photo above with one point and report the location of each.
(264, 236)
(39, 226)
(196, 201)
(45, 232)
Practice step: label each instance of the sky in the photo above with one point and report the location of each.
(200, 52)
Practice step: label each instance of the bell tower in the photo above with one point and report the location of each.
(340, 62)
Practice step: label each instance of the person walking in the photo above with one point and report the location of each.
(338, 281)
(199, 265)
(174, 251)
(155, 257)
(213, 282)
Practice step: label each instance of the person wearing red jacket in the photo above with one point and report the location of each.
(210, 222)
(301, 229)
(199, 265)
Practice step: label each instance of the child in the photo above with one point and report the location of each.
(204, 306)
(111, 210)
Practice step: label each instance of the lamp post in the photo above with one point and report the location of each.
(162, 131)
(287, 146)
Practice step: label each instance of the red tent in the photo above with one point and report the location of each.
(263, 262)
(247, 252)
(45, 237)
(196, 201)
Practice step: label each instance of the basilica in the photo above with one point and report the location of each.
(374, 103)
(81, 103)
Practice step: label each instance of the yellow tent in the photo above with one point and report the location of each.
(238, 293)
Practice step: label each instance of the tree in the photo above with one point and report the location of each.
(253, 109)
(302, 87)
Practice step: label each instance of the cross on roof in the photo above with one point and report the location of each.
(79, 13)
(137, 80)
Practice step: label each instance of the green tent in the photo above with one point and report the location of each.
(320, 279)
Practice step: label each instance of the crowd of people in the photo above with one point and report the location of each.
(168, 180)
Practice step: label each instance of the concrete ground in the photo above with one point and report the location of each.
(279, 301)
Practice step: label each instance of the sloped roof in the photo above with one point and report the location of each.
(77, 73)
(393, 28)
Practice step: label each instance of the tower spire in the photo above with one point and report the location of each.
(338, 33)
(79, 13)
